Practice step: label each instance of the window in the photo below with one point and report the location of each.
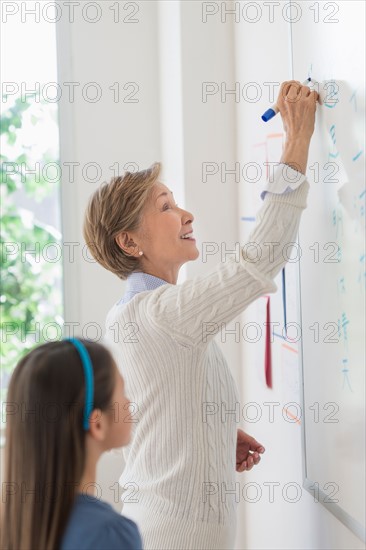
(31, 260)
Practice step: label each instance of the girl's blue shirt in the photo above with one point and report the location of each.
(94, 525)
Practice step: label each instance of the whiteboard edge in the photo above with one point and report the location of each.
(343, 516)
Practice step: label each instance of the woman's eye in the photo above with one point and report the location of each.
(166, 206)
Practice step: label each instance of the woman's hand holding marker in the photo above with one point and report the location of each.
(297, 105)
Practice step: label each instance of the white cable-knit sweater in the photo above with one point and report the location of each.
(181, 462)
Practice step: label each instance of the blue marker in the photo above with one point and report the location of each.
(273, 110)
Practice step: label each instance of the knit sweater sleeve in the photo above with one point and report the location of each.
(194, 311)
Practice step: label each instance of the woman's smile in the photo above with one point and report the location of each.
(188, 237)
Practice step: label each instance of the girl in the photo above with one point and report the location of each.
(186, 445)
(66, 406)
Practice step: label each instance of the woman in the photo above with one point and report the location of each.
(183, 454)
(66, 406)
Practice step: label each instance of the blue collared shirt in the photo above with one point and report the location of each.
(138, 282)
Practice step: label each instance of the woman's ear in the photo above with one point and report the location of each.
(126, 244)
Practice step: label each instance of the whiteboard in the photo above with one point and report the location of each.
(328, 44)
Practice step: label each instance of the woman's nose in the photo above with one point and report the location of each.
(188, 216)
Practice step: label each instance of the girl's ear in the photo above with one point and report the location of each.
(98, 425)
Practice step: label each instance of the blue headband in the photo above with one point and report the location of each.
(89, 379)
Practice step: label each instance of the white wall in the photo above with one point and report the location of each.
(104, 132)
(170, 53)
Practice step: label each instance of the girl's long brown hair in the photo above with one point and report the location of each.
(45, 450)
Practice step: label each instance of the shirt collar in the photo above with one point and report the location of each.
(140, 282)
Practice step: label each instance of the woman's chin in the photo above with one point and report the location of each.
(195, 254)
(191, 254)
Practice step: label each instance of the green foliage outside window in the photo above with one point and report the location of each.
(30, 294)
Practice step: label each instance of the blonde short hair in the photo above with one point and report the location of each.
(115, 207)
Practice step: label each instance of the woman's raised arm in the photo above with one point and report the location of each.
(193, 311)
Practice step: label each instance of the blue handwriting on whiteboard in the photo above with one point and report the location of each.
(345, 371)
(342, 328)
(332, 134)
(337, 221)
(341, 286)
(353, 97)
(357, 156)
(333, 154)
